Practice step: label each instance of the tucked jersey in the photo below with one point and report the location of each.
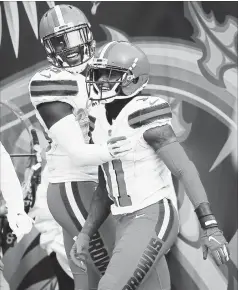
(53, 84)
(139, 178)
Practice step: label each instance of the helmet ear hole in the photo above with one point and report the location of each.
(135, 86)
(135, 80)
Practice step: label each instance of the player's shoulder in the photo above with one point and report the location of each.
(50, 73)
(53, 82)
(144, 102)
(147, 109)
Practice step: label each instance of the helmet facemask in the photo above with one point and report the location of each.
(70, 48)
(106, 83)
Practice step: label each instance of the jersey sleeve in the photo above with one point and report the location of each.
(49, 86)
(151, 112)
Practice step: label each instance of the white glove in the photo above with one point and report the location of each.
(20, 223)
(119, 146)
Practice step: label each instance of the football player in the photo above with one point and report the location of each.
(59, 96)
(19, 222)
(11, 203)
(141, 192)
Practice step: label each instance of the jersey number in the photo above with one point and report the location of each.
(123, 198)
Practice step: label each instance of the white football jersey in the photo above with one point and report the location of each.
(140, 178)
(53, 84)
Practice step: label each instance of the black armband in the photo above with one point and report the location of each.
(205, 216)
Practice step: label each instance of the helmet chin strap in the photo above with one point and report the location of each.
(74, 69)
(121, 97)
(77, 69)
(107, 96)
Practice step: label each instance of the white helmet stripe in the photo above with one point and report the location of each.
(105, 49)
(59, 15)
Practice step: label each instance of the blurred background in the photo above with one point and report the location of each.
(192, 48)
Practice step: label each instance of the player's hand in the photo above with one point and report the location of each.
(79, 251)
(119, 146)
(214, 242)
(20, 223)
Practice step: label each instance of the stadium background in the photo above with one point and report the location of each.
(192, 48)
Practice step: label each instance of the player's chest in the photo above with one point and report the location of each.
(103, 130)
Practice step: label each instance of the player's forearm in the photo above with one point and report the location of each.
(89, 154)
(179, 164)
(69, 136)
(98, 213)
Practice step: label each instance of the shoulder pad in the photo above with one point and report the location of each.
(150, 109)
(47, 83)
(49, 73)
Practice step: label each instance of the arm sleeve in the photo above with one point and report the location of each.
(68, 134)
(10, 185)
(179, 164)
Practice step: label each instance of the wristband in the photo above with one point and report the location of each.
(205, 216)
